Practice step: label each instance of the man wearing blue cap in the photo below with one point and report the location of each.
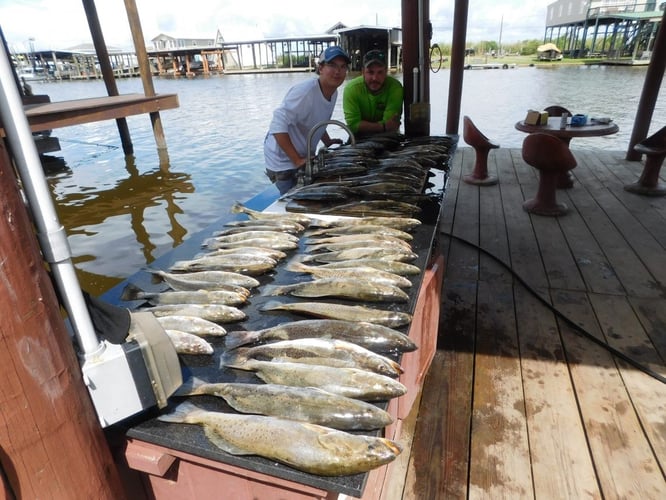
(372, 102)
(305, 105)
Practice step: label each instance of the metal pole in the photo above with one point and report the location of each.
(651, 86)
(51, 234)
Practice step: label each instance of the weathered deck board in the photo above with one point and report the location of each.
(562, 468)
(517, 403)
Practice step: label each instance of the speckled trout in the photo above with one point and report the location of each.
(344, 288)
(305, 404)
(192, 324)
(325, 352)
(392, 266)
(186, 343)
(401, 223)
(364, 273)
(377, 338)
(356, 238)
(302, 219)
(334, 246)
(229, 298)
(376, 252)
(218, 313)
(205, 280)
(243, 263)
(307, 447)
(275, 224)
(330, 310)
(376, 229)
(350, 382)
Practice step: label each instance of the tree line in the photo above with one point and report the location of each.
(522, 48)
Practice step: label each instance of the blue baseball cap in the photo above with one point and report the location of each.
(331, 53)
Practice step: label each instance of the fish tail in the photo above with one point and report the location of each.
(190, 387)
(239, 338)
(316, 247)
(181, 265)
(275, 290)
(271, 305)
(131, 292)
(234, 359)
(208, 243)
(180, 413)
(237, 208)
(307, 258)
(297, 267)
(157, 275)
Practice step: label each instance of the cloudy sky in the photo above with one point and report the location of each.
(61, 24)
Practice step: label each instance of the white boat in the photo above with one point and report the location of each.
(29, 74)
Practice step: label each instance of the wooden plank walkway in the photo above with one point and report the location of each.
(517, 404)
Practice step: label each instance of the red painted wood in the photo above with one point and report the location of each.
(52, 444)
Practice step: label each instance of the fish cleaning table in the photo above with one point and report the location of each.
(178, 460)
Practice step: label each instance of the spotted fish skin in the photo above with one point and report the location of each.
(377, 338)
(307, 447)
(305, 404)
(350, 382)
(346, 288)
(329, 310)
(325, 352)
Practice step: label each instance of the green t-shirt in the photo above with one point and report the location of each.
(358, 103)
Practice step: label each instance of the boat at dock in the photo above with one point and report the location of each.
(490, 65)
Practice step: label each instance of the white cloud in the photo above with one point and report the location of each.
(62, 24)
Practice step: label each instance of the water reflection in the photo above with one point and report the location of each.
(138, 200)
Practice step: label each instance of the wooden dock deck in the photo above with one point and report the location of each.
(516, 403)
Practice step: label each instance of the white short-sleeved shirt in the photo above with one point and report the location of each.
(302, 108)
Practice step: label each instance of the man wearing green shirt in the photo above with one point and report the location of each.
(372, 102)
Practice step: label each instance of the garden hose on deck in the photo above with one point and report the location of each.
(581, 331)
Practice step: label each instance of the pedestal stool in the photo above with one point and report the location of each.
(654, 149)
(551, 157)
(482, 146)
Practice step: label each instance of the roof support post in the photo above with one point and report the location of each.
(457, 65)
(107, 70)
(651, 86)
(146, 78)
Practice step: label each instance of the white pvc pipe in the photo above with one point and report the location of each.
(51, 234)
(422, 66)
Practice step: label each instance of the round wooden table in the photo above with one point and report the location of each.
(591, 129)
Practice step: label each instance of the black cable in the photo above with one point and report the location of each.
(578, 329)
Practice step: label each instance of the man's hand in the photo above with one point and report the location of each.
(393, 124)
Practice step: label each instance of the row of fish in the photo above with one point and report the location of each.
(373, 178)
(320, 375)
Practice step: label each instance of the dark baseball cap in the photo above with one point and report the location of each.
(331, 53)
(374, 57)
